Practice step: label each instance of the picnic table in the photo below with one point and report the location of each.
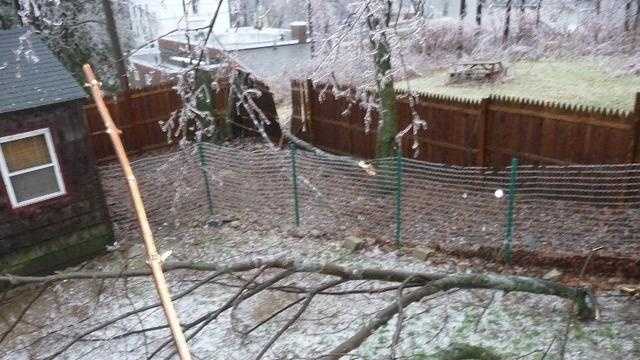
(477, 70)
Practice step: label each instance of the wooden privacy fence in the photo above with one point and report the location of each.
(139, 117)
(487, 132)
(138, 120)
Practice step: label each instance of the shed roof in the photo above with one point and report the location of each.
(31, 75)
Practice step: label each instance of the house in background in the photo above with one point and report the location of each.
(263, 51)
(52, 210)
(152, 18)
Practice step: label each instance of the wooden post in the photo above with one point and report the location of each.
(153, 258)
(482, 133)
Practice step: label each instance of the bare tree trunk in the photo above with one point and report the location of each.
(418, 7)
(597, 9)
(627, 16)
(636, 19)
(463, 14)
(521, 20)
(463, 9)
(387, 128)
(538, 7)
(479, 8)
(507, 22)
(310, 25)
(16, 7)
(116, 48)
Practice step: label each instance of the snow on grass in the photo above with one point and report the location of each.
(514, 325)
(584, 81)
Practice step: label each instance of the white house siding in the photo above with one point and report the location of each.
(152, 18)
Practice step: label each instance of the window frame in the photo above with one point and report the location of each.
(53, 156)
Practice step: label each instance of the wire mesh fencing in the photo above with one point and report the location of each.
(553, 214)
(172, 188)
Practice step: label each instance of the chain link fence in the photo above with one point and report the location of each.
(555, 215)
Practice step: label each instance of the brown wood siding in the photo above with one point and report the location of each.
(82, 206)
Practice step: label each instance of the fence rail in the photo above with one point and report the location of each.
(487, 132)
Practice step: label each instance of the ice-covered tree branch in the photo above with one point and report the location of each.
(417, 286)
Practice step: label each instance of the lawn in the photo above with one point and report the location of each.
(594, 81)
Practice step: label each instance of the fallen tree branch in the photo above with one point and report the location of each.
(308, 267)
(425, 284)
(495, 282)
(130, 313)
(297, 315)
(207, 319)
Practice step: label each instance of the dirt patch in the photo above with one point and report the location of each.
(572, 264)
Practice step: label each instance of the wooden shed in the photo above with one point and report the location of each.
(52, 209)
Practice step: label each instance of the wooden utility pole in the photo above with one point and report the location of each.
(153, 258)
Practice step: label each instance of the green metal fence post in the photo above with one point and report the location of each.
(294, 170)
(513, 188)
(203, 163)
(398, 197)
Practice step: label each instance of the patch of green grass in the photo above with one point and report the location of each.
(589, 81)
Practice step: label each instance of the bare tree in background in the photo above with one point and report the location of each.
(116, 47)
(507, 22)
(479, 8)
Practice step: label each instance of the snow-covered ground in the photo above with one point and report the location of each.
(518, 326)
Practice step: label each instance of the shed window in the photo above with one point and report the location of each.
(30, 169)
